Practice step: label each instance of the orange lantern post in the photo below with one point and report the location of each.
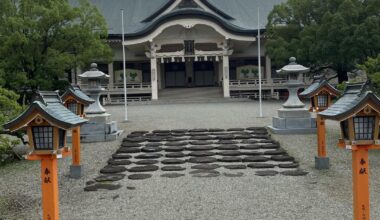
(320, 93)
(75, 100)
(358, 112)
(46, 122)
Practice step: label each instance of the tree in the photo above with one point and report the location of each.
(337, 34)
(9, 108)
(41, 40)
(372, 69)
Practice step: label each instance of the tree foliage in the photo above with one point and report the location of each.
(43, 39)
(9, 108)
(372, 68)
(324, 33)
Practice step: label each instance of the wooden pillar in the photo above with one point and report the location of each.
(154, 80)
(226, 77)
(76, 167)
(49, 185)
(321, 161)
(360, 175)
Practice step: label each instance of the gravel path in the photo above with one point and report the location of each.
(319, 195)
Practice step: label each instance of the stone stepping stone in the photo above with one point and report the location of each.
(227, 142)
(172, 168)
(139, 132)
(121, 156)
(256, 128)
(161, 131)
(178, 134)
(220, 134)
(177, 139)
(175, 155)
(172, 175)
(200, 148)
(205, 166)
(205, 173)
(230, 153)
(266, 173)
(128, 150)
(288, 165)
(250, 147)
(198, 130)
(146, 168)
(282, 158)
(294, 173)
(149, 156)
(110, 169)
(174, 148)
(269, 146)
(251, 153)
(260, 165)
(235, 129)
(250, 141)
(275, 152)
(215, 130)
(173, 161)
(139, 176)
(134, 135)
(97, 186)
(193, 134)
(135, 140)
(119, 162)
(255, 159)
(202, 138)
(230, 159)
(155, 139)
(243, 136)
(146, 162)
(228, 147)
(260, 136)
(202, 160)
(239, 174)
(201, 142)
(235, 166)
(154, 144)
(179, 130)
(225, 137)
(151, 149)
(111, 178)
(201, 153)
(130, 144)
(162, 134)
(176, 143)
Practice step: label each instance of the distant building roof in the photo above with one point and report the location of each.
(355, 98)
(49, 106)
(77, 93)
(141, 15)
(317, 86)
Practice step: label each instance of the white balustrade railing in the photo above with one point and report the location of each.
(120, 86)
(255, 82)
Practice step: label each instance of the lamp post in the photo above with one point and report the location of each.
(75, 100)
(46, 122)
(320, 93)
(358, 112)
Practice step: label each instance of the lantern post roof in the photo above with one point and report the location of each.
(318, 85)
(356, 97)
(78, 94)
(49, 106)
(93, 73)
(293, 67)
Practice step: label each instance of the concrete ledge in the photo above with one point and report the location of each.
(76, 171)
(322, 163)
(292, 130)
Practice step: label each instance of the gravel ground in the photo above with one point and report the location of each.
(319, 195)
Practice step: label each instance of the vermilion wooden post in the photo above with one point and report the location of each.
(321, 161)
(360, 180)
(76, 146)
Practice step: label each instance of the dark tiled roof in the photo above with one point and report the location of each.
(140, 14)
(316, 86)
(353, 99)
(52, 109)
(49, 97)
(78, 94)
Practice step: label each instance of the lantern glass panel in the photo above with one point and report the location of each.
(312, 102)
(72, 107)
(364, 127)
(43, 137)
(322, 100)
(344, 126)
(62, 135)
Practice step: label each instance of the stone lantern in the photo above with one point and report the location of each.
(100, 127)
(358, 112)
(46, 122)
(293, 117)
